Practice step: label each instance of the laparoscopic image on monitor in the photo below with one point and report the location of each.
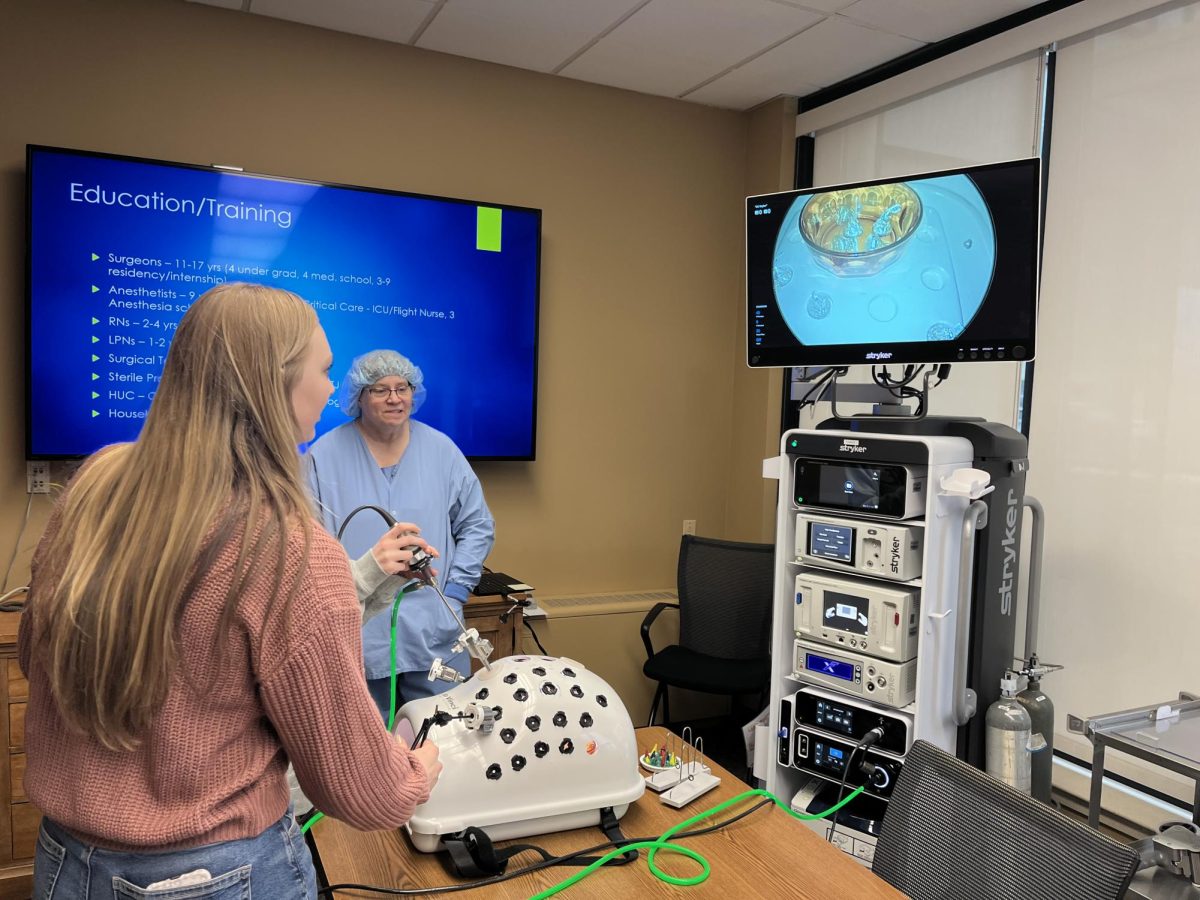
(931, 268)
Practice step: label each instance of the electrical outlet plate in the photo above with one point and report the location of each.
(689, 526)
(37, 476)
(533, 611)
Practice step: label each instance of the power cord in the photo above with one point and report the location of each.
(654, 845)
(900, 388)
(17, 543)
(822, 381)
(7, 604)
(536, 640)
(868, 740)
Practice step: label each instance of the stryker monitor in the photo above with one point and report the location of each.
(939, 267)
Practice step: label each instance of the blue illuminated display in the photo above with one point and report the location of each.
(832, 758)
(826, 666)
(918, 271)
(120, 247)
(831, 541)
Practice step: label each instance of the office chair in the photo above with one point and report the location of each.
(952, 832)
(725, 597)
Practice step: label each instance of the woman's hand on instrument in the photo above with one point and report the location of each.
(427, 756)
(394, 551)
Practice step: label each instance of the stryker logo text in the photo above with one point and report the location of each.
(1010, 555)
(895, 556)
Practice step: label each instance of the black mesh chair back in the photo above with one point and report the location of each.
(725, 597)
(951, 832)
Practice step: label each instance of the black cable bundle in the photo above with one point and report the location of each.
(813, 395)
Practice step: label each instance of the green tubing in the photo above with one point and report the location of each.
(662, 843)
(317, 817)
(392, 658)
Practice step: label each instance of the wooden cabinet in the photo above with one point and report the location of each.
(19, 819)
(483, 614)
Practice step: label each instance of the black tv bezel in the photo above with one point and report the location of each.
(901, 352)
(30, 149)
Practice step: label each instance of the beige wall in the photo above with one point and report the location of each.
(758, 393)
(641, 321)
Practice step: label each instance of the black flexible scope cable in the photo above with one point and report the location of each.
(533, 867)
(868, 740)
(387, 517)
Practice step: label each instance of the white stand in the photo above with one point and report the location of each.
(690, 788)
(667, 779)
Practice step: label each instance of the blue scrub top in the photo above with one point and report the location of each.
(433, 487)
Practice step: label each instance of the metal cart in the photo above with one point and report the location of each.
(1167, 735)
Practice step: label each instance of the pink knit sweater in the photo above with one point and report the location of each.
(212, 767)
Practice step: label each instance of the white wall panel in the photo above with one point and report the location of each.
(1115, 429)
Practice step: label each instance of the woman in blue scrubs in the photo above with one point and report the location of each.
(386, 458)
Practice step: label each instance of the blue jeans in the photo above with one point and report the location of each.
(274, 865)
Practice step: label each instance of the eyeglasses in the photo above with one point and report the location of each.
(379, 392)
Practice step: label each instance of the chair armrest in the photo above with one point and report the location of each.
(649, 620)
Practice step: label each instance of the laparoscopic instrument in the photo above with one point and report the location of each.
(420, 569)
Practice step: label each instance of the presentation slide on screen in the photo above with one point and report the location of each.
(119, 249)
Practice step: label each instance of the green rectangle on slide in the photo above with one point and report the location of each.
(487, 228)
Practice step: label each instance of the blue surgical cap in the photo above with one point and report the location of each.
(370, 368)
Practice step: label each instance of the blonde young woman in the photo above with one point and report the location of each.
(190, 630)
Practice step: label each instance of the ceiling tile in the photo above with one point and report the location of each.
(529, 34)
(931, 20)
(745, 93)
(224, 4)
(827, 53)
(669, 46)
(825, 6)
(388, 20)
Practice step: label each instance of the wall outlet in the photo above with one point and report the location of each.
(37, 476)
(689, 526)
(533, 611)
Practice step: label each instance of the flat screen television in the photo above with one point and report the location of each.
(941, 267)
(119, 247)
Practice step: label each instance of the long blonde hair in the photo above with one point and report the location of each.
(216, 456)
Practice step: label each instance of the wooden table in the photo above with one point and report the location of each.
(766, 854)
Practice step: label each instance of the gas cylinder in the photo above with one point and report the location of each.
(1007, 730)
(1041, 721)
